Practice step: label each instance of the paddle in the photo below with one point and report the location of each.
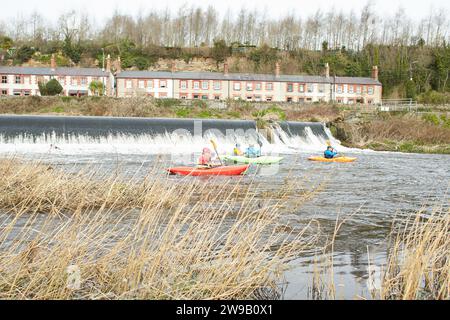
(215, 149)
(260, 146)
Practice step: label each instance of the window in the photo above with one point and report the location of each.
(345, 88)
(183, 84)
(364, 89)
(350, 89)
(74, 81)
(18, 79)
(196, 85)
(149, 84)
(141, 84)
(269, 98)
(162, 84)
(339, 89)
(4, 79)
(249, 86)
(321, 88)
(358, 89)
(339, 100)
(369, 101)
(205, 85)
(26, 80)
(26, 92)
(301, 87)
(289, 99)
(204, 97)
(258, 86)
(257, 98)
(290, 87)
(269, 86)
(4, 92)
(61, 80)
(83, 81)
(249, 98)
(216, 85)
(129, 84)
(216, 97)
(310, 88)
(237, 86)
(195, 96)
(301, 100)
(183, 96)
(370, 90)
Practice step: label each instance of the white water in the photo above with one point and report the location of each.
(168, 143)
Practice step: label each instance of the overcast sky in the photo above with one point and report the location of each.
(101, 9)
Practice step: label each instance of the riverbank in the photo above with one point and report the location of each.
(101, 235)
(357, 127)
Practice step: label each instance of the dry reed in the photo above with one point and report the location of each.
(87, 236)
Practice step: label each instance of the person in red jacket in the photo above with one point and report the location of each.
(205, 158)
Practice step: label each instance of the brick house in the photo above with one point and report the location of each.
(23, 81)
(250, 87)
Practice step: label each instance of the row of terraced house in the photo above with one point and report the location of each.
(23, 81)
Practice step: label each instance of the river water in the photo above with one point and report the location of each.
(369, 192)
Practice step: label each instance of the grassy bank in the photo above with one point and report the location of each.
(417, 265)
(88, 236)
(428, 133)
(102, 236)
(401, 132)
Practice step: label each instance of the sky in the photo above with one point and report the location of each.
(101, 9)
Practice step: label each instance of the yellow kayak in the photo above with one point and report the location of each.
(337, 159)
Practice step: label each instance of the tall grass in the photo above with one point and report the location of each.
(418, 265)
(88, 236)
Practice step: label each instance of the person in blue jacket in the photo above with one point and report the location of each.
(251, 152)
(330, 153)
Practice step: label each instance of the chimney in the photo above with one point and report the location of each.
(375, 73)
(327, 70)
(119, 65)
(108, 63)
(225, 68)
(173, 67)
(277, 69)
(53, 62)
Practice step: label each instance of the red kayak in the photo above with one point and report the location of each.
(216, 171)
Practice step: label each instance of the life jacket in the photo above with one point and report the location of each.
(203, 160)
(237, 152)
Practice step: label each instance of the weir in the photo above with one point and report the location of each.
(153, 135)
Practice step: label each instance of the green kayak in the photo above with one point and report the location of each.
(259, 160)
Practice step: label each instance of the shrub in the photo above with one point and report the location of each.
(431, 118)
(53, 87)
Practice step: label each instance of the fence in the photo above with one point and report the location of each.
(398, 105)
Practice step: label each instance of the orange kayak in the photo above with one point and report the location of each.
(217, 171)
(337, 159)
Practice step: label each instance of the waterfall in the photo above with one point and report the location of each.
(86, 135)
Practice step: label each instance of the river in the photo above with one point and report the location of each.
(369, 192)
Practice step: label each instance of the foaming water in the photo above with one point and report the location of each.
(92, 135)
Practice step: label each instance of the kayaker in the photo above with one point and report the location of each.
(251, 152)
(330, 153)
(206, 158)
(237, 150)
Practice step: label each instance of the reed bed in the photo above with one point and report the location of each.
(418, 265)
(88, 236)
